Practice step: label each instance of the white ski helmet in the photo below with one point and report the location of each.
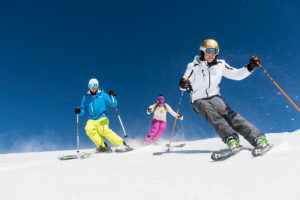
(93, 83)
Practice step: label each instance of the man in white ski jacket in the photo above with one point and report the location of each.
(202, 78)
(205, 79)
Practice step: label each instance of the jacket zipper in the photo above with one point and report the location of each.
(208, 83)
(208, 80)
(92, 105)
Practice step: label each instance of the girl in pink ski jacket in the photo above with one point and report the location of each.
(159, 121)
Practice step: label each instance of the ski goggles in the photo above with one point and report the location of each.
(161, 102)
(209, 50)
(93, 85)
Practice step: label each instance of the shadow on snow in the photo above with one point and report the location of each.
(183, 152)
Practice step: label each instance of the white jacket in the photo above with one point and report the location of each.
(160, 113)
(205, 80)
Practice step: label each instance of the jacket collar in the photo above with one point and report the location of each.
(198, 61)
(97, 93)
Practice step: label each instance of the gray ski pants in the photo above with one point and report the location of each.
(224, 120)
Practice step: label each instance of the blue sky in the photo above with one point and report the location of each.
(50, 49)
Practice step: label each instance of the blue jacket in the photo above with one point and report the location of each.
(96, 105)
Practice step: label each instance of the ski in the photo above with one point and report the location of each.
(150, 143)
(68, 157)
(123, 150)
(261, 151)
(227, 153)
(87, 155)
(77, 156)
(176, 145)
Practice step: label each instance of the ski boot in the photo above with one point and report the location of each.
(123, 147)
(233, 148)
(262, 142)
(232, 143)
(262, 146)
(106, 149)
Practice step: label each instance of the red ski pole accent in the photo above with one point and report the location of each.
(278, 87)
(175, 121)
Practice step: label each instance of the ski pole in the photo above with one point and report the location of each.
(77, 134)
(182, 132)
(125, 135)
(149, 123)
(175, 121)
(278, 86)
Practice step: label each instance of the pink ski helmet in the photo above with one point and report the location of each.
(161, 99)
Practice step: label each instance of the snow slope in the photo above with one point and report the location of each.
(148, 173)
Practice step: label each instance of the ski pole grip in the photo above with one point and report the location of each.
(190, 87)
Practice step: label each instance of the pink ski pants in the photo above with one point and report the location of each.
(158, 128)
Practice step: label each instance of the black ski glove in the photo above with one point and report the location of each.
(253, 64)
(77, 111)
(149, 111)
(111, 93)
(184, 83)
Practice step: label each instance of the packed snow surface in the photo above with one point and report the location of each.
(149, 172)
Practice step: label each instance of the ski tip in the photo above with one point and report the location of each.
(261, 151)
(68, 157)
(216, 156)
(72, 157)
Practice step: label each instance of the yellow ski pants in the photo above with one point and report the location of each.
(96, 129)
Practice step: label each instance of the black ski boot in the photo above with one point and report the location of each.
(105, 149)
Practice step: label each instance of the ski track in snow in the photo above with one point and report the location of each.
(149, 173)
